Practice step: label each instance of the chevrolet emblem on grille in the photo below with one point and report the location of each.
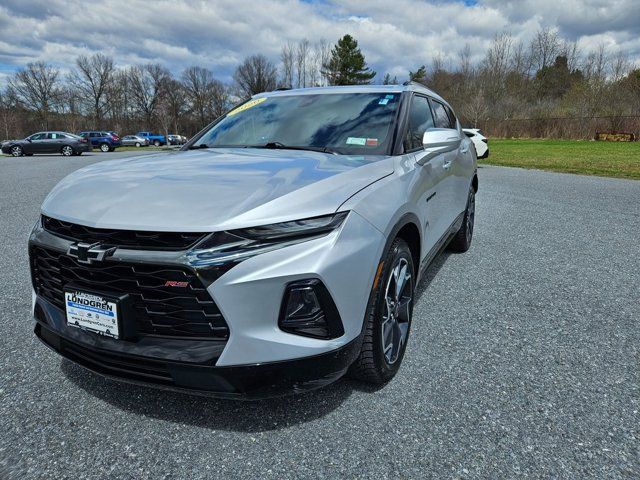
(89, 252)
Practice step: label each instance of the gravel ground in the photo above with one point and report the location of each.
(523, 362)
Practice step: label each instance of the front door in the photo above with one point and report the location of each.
(429, 177)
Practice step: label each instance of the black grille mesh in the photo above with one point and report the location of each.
(160, 310)
(135, 239)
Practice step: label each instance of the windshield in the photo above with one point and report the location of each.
(345, 123)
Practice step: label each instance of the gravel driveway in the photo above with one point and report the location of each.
(523, 361)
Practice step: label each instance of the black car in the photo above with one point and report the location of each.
(48, 142)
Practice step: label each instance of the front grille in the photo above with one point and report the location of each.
(158, 310)
(134, 239)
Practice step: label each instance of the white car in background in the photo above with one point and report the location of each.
(480, 142)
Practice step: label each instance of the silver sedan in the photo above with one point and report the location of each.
(134, 141)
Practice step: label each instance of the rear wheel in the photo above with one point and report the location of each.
(17, 151)
(388, 319)
(156, 143)
(462, 241)
(105, 147)
(67, 151)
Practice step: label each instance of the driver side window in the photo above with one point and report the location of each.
(420, 119)
(37, 136)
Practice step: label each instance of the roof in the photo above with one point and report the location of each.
(410, 87)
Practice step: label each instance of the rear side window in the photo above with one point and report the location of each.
(94, 134)
(441, 117)
(420, 119)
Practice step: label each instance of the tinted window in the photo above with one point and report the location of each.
(38, 136)
(420, 119)
(441, 118)
(94, 134)
(452, 117)
(347, 123)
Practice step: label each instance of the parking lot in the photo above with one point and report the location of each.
(523, 360)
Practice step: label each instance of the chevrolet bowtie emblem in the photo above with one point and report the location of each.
(89, 252)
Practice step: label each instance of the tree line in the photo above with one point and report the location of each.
(545, 88)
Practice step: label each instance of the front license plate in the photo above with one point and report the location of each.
(92, 312)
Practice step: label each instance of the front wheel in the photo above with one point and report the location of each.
(462, 241)
(388, 319)
(17, 151)
(138, 144)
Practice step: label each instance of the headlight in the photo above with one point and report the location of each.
(237, 245)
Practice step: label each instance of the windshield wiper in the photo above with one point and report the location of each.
(282, 146)
(196, 147)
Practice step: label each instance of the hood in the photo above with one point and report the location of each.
(211, 189)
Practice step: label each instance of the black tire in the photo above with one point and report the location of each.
(373, 364)
(17, 151)
(462, 240)
(104, 147)
(156, 143)
(28, 154)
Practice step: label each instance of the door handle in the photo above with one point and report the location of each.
(447, 165)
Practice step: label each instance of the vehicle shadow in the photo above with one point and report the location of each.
(213, 413)
(430, 273)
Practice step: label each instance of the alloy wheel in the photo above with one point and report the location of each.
(67, 151)
(16, 151)
(397, 310)
(104, 147)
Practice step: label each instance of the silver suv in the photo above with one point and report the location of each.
(277, 251)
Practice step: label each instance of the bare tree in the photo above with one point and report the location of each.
(147, 85)
(545, 47)
(302, 58)
(92, 77)
(287, 55)
(36, 86)
(9, 112)
(255, 75)
(206, 96)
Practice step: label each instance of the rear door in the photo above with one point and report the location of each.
(451, 204)
(429, 177)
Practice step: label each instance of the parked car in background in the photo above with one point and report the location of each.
(480, 142)
(105, 141)
(176, 140)
(48, 142)
(154, 139)
(134, 141)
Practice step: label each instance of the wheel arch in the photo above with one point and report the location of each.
(474, 182)
(407, 228)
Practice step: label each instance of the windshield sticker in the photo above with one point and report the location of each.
(356, 141)
(247, 106)
(384, 101)
(372, 142)
(390, 97)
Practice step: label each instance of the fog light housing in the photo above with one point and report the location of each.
(308, 310)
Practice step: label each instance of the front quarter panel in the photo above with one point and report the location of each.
(250, 294)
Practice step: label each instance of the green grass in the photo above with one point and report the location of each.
(608, 159)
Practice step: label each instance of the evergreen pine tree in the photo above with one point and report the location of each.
(347, 65)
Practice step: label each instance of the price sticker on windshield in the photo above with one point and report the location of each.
(247, 106)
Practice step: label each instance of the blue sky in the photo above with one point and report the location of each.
(394, 35)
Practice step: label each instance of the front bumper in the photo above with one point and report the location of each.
(249, 297)
(248, 381)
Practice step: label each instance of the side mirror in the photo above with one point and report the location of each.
(28, 139)
(437, 141)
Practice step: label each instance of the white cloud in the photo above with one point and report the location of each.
(395, 35)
